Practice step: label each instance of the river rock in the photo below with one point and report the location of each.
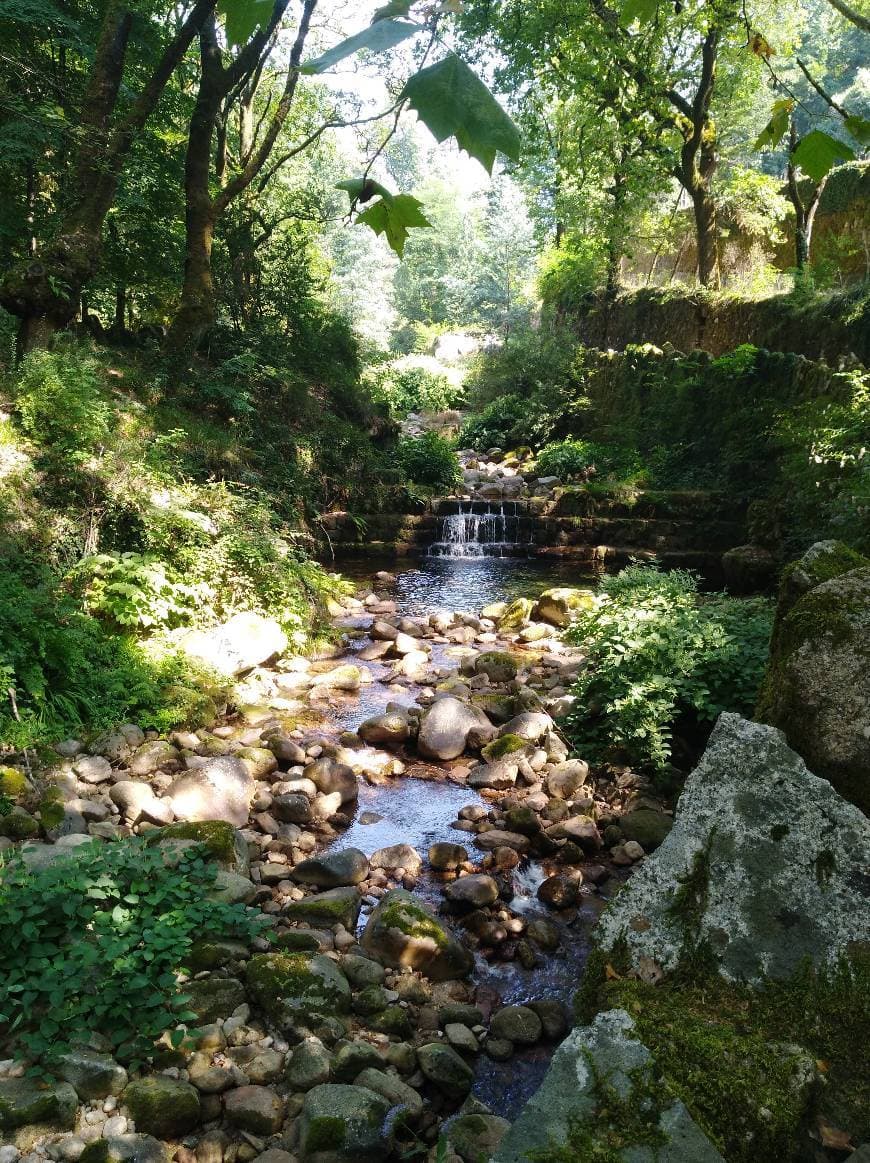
(256, 1109)
(445, 1069)
(336, 906)
(445, 727)
(474, 891)
(330, 777)
(136, 800)
(647, 826)
(397, 856)
(390, 730)
(346, 677)
(446, 857)
(220, 790)
(529, 725)
(403, 933)
(24, 1101)
(817, 685)
(765, 863)
(309, 1065)
(497, 665)
(92, 1075)
(495, 838)
(343, 1123)
(475, 1135)
(499, 775)
(590, 1064)
(244, 641)
(293, 987)
(396, 1092)
(565, 779)
(560, 605)
(125, 1149)
(161, 1106)
(516, 615)
(333, 870)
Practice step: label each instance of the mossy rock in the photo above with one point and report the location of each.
(297, 986)
(343, 1123)
(125, 1149)
(497, 665)
(223, 843)
(560, 605)
(13, 782)
(215, 953)
(504, 745)
(214, 997)
(517, 615)
(647, 826)
(161, 1106)
(816, 684)
(401, 932)
(336, 906)
(18, 825)
(496, 706)
(28, 1101)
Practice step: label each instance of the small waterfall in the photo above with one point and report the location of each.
(484, 529)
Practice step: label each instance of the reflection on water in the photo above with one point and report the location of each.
(464, 583)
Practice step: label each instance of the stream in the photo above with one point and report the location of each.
(421, 812)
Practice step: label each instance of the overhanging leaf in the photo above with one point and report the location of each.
(378, 37)
(859, 127)
(394, 8)
(452, 101)
(775, 130)
(818, 152)
(242, 18)
(393, 216)
(642, 11)
(363, 189)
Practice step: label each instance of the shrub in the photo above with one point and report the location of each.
(429, 461)
(568, 458)
(61, 403)
(413, 389)
(101, 938)
(657, 649)
(135, 590)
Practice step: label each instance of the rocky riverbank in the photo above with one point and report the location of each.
(362, 1025)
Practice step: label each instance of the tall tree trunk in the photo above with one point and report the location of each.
(804, 211)
(44, 290)
(707, 237)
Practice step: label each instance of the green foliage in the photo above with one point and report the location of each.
(430, 462)
(412, 389)
(568, 458)
(656, 650)
(61, 403)
(818, 152)
(571, 273)
(379, 37)
(101, 938)
(138, 591)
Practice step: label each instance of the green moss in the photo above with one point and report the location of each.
(743, 1060)
(325, 1133)
(271, 976)
(618, 1123)
(413, 921)
(217, 836)
(690, 899)
(13, 782)
(51, 809)
(504, 745)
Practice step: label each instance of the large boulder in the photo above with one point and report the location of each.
(445, 727)
(222, 789)
(335, 906)
(600, 1076)
(558, 606)
(402, 932)
(242, 642)
(24, 1101)
(164, 1107)
(291, 987)
(339, 869)
(342, 1123)
(764, 868)
(817, 685)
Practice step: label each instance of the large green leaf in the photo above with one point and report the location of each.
(859, 127)
(394, 8)
(642, 11)
(394, 216)
(242, 18)
(775, 130)
(452, 101)
(818, 152)
(379, 37)
(363, 189)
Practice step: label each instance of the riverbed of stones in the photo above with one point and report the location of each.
(337, 1039)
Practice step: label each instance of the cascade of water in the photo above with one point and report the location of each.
(498, 529)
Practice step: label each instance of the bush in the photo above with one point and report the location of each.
(657, 650)
(429, 461)
(61, 403)
(568, 458)
(413, 389)
(137, 591)
(101, 938)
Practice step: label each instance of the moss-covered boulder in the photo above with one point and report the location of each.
(402, 932)
(502, 746)
(125, 1149)
(497, 665)
(817, 685)
(516, 615)
(18, 825)
(161, 1106)
(297, 987)
(92, 1075)
(25, 1101)
(336, 906)
(342, 1123)
(223, 843)
(601, 1099)
(560, 605)
(647, 826)
(214, 997)
(445, 1069)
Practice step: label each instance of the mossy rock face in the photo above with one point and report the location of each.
(342, 1123)
(13, 782)
(222, 841)
(817, 685)
(297, 986)
(336, 906)
(27, 1101)
(517, 615)
(402, 932)
(497, 665)
(504, 745)
(18, 825)
(214, 953)
(164, 1107)
(214, 997)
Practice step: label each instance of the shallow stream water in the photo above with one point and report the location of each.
(420, 812)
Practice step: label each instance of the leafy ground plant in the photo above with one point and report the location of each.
(101, 938)
(658, 649)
